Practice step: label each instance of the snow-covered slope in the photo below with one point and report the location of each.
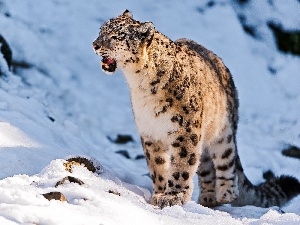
(57, 102)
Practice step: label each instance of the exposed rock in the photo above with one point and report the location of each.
(121, 139)
(139, 157)
(242, 1)
(292, 151)
(5, 50)
(55, 196)
(287, 41)
(114, 192)
(69, 179)
(124, 153)
(51, 118)
(77, 161)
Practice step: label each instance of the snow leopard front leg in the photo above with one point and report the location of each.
(180, 168)
(157, 159)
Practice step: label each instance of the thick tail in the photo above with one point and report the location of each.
(275, 191)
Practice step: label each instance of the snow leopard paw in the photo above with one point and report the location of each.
(168, 199)
(208, 199)
(227, 194)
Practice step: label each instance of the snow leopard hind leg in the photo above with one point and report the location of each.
(207, 181)
(217, 174)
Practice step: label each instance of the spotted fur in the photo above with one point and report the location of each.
(186, 110)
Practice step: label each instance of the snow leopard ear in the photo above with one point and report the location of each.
(146, 32)
(126, 13)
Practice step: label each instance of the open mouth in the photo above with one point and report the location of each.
(109, 64)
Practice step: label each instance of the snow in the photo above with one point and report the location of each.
(63, 105)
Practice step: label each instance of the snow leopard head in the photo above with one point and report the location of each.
(122, 41)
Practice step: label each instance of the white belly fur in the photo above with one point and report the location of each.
(145, 108)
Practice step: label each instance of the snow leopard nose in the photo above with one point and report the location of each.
(96, 45)
(100, 44)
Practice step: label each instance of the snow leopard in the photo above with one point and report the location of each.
(185, 106)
